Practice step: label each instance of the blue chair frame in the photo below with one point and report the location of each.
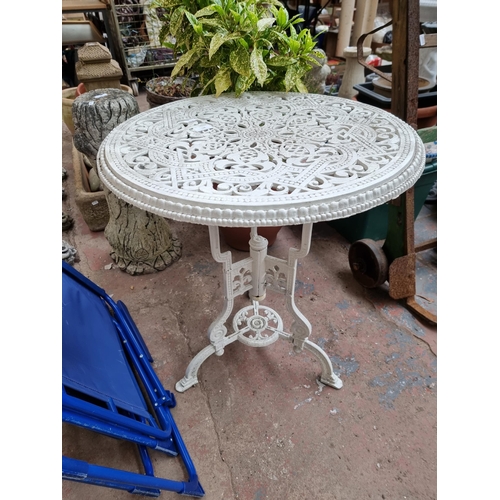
(110, 387)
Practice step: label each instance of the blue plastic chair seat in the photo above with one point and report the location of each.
(110, 387)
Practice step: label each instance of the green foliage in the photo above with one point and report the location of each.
(237, 45)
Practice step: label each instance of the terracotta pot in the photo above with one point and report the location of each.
(238, 237)
(80, 89)
(427, 117)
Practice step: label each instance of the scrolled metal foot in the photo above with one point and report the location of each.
(327, 376)
(191, 376)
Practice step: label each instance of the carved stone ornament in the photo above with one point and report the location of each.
(265, 159)
(69, 252)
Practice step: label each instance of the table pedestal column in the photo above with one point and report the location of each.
(257, 325)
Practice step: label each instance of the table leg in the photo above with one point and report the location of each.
(234, 283)
(281, 276)
(257, 325)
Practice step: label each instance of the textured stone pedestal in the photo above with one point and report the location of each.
(142, 242)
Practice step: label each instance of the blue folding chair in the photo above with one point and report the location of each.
(110, 387)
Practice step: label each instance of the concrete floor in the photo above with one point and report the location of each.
(258, 426)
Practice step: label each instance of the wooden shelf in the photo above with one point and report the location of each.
(83, 5)
(80, 32)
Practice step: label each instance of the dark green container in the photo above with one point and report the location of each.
(374, 223)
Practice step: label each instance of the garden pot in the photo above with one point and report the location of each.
(426, 117)
(69, 95)
(80, 89)
(238, 237)
(384, 87)
(155, 99)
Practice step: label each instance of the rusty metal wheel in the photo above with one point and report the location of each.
(368, 262)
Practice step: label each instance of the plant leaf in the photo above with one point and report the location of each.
(318, 54)
(276, 3)
(240, 61)
(217, 40)
(236, 15)
(205, 62)
(258, 66)
(219, 10)
(264, 23)
(282, 17)
(165, 4)
(207, 21)
(301, 87)
(243, 43)
(222, 81)
(206, 11)
(183, 61)
(176, 21)
(253, 17)
(294, 45)
(281, 61)
(192, 19)
(291, 77)
(243, 83)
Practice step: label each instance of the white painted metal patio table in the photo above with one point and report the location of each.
(263, 159)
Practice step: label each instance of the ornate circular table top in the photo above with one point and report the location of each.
(262, 159)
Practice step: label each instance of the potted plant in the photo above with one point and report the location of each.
(165, 89)
(237, 46)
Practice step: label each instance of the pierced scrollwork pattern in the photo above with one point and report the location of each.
(241, 273)
(276, 278)
(257, 325)
(261, 159)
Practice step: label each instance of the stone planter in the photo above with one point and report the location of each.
(93, 206)
(68, 96)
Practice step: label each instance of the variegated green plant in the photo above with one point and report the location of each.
(237, 45)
